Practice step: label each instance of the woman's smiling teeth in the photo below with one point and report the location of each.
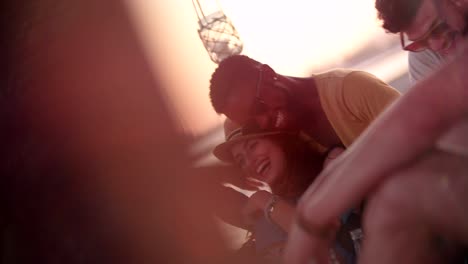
(262, 167)
(279, 119)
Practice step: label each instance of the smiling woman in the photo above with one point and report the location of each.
(285, 164)
(260, 159)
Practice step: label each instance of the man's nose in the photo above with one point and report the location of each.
(250, 167)
(263, 121)
(251, 161)
(267, 120)
(438, 43)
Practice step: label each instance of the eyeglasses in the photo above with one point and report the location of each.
(438, 29)
(259, 106)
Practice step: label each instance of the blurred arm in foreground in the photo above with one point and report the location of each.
(415, 189)
(93, 168)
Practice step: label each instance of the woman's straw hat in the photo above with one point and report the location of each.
(233, 134)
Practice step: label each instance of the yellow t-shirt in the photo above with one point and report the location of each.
(352, 99)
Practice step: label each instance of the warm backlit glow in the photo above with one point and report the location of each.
(294, 37)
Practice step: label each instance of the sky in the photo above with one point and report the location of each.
(294, 37)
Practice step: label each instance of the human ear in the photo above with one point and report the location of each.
(271, 76)
(268, 72)
(274, 79)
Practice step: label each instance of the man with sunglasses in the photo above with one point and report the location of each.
(331, 108)
(431, 30)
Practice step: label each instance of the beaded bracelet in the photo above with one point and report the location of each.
(270, 207)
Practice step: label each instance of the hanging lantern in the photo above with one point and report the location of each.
(218, 34)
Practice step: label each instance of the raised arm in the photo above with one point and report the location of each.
(409, 129)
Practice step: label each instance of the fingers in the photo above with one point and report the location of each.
(256, 184)
(409, 128)
(255, 206)
(433, 163)
(409, 219)
(387, 236)
(418, 214)
(406, 131)
(455, 140)
(305, 249)
(443, 179)
(332, 155)
(306, 244)
(404, 246)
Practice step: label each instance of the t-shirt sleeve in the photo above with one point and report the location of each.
(366, 96)
(421, 64)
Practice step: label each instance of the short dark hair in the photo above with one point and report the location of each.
(223, 79)
(397, 15)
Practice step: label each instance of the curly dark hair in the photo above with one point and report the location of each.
(224, 78)
(303, 165)
(397, 15)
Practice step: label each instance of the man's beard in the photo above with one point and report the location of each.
(296, 115)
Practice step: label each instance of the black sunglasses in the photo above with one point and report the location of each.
(259, 106)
